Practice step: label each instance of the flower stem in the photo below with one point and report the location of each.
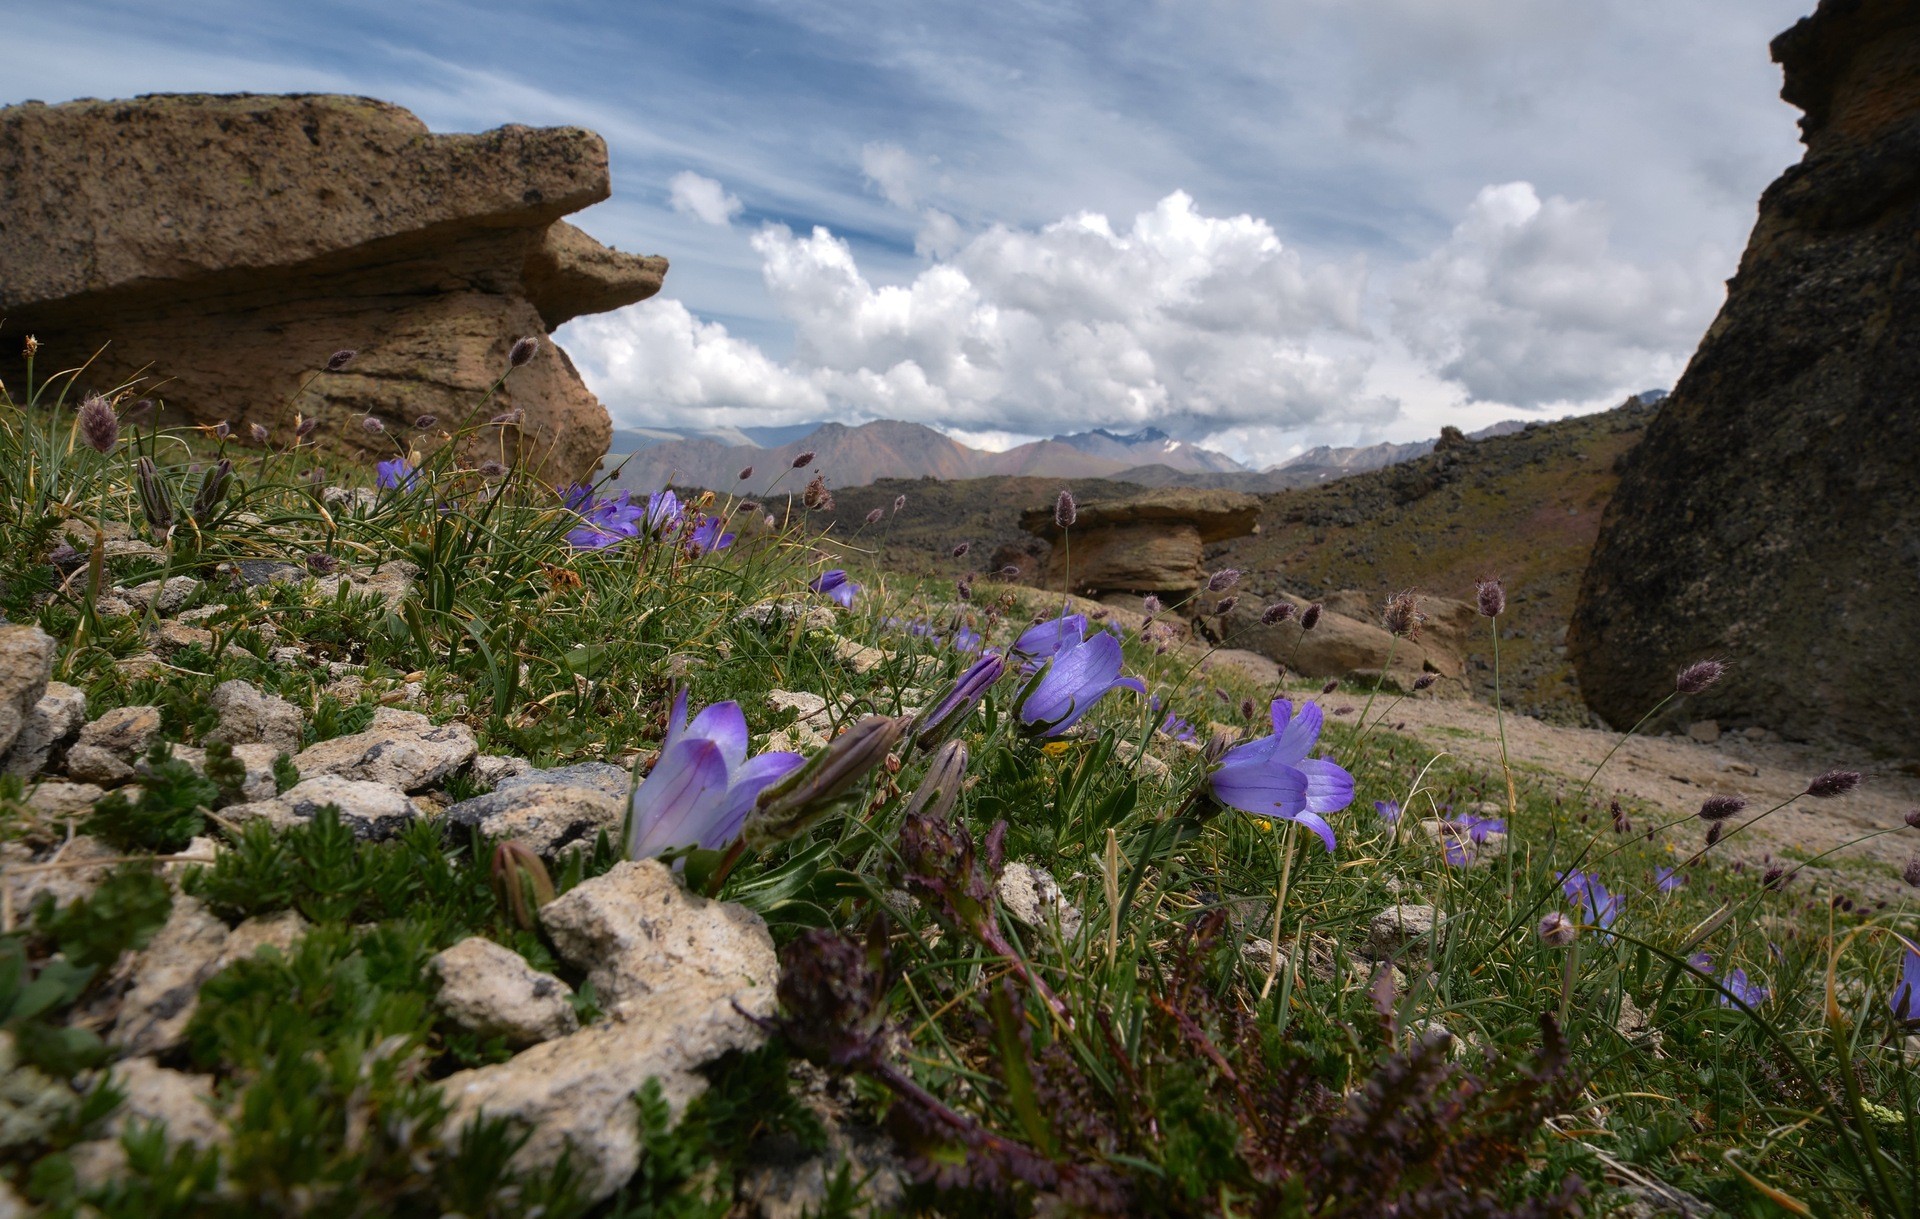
(1500, 721)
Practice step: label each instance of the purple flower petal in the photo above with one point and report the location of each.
(1318, 825)
(1329, 787)
(673, 806)
(1267, 791)
(726, 726)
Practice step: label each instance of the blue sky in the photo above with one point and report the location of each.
(1260, 225)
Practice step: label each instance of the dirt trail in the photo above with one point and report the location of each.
(1676, 774)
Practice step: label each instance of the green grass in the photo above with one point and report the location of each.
(1146, 1064)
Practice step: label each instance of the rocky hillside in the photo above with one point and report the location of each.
(1770, 517)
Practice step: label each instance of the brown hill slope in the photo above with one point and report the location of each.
(1525, 506)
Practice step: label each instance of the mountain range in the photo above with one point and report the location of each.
(646, 459)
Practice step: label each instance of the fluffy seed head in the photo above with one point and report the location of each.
(1403, 616)
(1713, 832)
(492, 469)
(340, 359)
(1150, 604)
(1424, 680)
(1226, 606)
(1310, 617)
(960, 551)
(1698, 676)
(1913, 818)
(372, 426)
(874, 517)
(522, 352)
(1491, 596)
(1834, 783)
(1774, 877)
(321, 563)
(1719, 808)
(512, 418)
(305, 428)
(1333, 683)
(1911, 873)
(426, 423)
(223, 429)
(258, 431)
(1557, 930)
(138, 411)
(801, 460)
(1621, 825)
(1009, 572)
(817, 496)
(1279, 611)
(99, 426)
(1222, 580)
(745, 473)
(1065, 511)
(899, 502)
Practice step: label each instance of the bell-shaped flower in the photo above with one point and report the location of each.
(948, 713)
(707, 536)
(703, 784)
(1078, 676)
(663, 512)
(835, 586)
(1596, 904)
(1905, 999)
(1040, 641)
(396, 474)
(1274, 777)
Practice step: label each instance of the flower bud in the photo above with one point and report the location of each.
(1222, 580)
(1310, 617)
(1913, 818)
(522, 352)
(99, 426)
(305, 428)
(1911, 873)
(960, 551)
(520, 882)
(1424, 680)
(320, 563)
(491, 469)
(944, 780)
(875, 517)
(899, 502)
(1698, 676)
(794, 804)
(1402, 616)
(1492, 596)
(802, 460)
(745, 473)
(372, 426)
(1333, 683)
(1010, 572)
(258, 431)
(1150, 605)
(512, 418)
(340, 359)
(1557, 930)
(1834, 783)
(156, 503)
(1276, 613)
(223, 429)
(816, 496)
(213, 489)
(1065, 511)
(949, 712)
(426, 423)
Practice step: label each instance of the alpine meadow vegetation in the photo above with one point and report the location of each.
(1284, 963)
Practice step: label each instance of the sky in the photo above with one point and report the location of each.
(1259, 226)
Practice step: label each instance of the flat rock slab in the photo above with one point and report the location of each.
(401, 749)
(58, 714)
(490, 990)
(371, 811)
(26, 665)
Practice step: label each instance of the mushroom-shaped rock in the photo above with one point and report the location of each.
(1147, 543)
(227, 245)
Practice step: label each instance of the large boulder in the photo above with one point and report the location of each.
(1340, 646)
(226, 245)
(1768, 517)
(1149, 543)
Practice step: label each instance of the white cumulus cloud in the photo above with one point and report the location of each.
(894, 171)
(702, 198)
(657, 364)
(1526, 304)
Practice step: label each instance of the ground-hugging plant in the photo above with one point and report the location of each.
(1204, 1022)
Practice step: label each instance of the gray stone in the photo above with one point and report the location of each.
(1704, 731)
(1034, 899)
(183, 1103)
(249, 716)
(683, 977)
(31, 1102)
(279, 931)
(168, 636)
(370, 810)
(549, 811)
(64, 799)
(635, 930)
(26, 665)
(808, 708)
(770, 615)
(109, 746)
(391, 582)
(166, 979)
(401, 749)
(259, 783)
(1398, 928)
(73, 871)
(491, 991)
(490, 768)
(57, 715)
(163, 596)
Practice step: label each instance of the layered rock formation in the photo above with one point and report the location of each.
(1150, 543)
(223, 247)
(1769, 516)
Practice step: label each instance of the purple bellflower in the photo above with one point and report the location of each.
(1478, 828)
(966, 639)
(395, 474)
(663, 512)
(1389, 810)
(1177, 727)
(1078, 676)
(707, 536)
(1274, 777)
(835, 586)
(949, 713)
(1667, 879)
(1040, 642)
(1736, 986)
(703, 785)
(1596, 905)
(1905, 999)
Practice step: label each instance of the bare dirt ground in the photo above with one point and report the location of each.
(1864, 829)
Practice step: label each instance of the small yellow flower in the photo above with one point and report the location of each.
(1054, 749)
(1263, 825)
